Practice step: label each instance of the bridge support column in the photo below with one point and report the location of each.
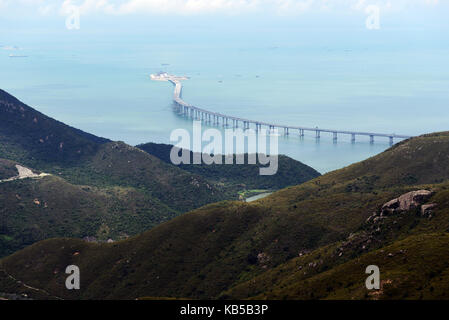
(391, 141)
(371, 139)
(353, 137)
(301, 133)
(335, 136)
(286, 133)
(318, 134)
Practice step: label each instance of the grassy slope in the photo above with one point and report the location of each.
(129, 190)
(296, 279)
(7, 169)
(414, 268)
(37, 209)
(30, 137)
(37, 141)
(290, 172)
(42, 143)
(204, 253)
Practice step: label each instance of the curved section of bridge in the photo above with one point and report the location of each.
(217, 118)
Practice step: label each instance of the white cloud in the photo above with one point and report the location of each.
(188, 7)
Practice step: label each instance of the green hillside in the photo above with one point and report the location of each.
(98, 188)
(297, 243)
(37, 141)
(32, 138)
(246, 176)
(36, 209)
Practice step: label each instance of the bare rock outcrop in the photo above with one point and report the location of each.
(406, 202)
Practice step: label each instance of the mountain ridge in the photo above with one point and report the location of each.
(219, 250)
(111, 189)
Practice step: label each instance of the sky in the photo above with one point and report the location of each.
(11, 10)
(195, 7)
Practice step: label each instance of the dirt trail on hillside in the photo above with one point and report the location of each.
(25, 173)
(29, 287)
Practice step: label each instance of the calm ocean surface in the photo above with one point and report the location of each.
(389, 81)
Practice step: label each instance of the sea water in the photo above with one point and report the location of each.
(391, 81)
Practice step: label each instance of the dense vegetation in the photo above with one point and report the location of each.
(32, 138)
(244, 176)
(98, 188)
(304, 242)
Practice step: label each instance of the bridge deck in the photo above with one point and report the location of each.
(177, 98)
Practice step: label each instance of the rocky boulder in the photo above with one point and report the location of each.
(406, 202)
(427, 209)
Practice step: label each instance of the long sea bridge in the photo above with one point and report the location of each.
(216, 118)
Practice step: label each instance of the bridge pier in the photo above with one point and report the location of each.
(190, 111)
(335, 136)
